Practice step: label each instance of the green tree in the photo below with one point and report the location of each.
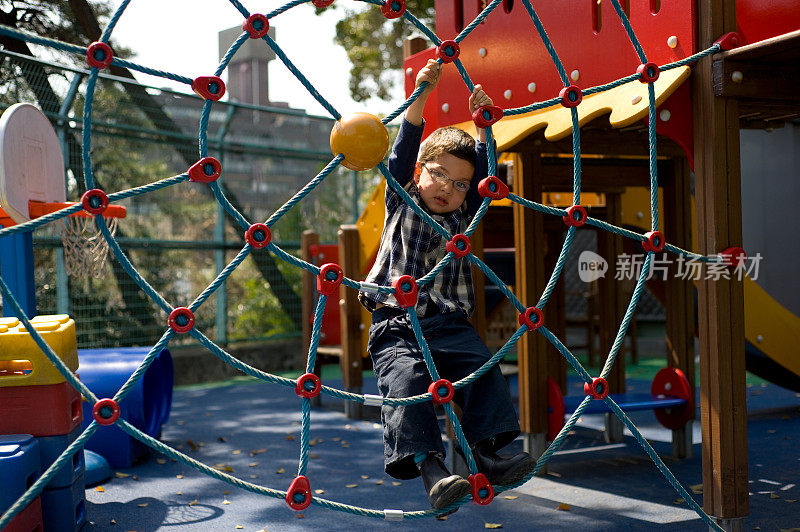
(374, 45)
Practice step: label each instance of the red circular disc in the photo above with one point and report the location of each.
(105, 406)
(671, 382)
(94, 201)
(174, 318)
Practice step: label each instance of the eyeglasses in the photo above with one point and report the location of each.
(442, 179)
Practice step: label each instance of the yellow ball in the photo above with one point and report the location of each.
(362, 139)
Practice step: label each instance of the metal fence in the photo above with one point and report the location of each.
(180, 238)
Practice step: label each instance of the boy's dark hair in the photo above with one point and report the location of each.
(452, 140)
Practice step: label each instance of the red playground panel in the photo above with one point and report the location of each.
(44, 410)
(331, 332)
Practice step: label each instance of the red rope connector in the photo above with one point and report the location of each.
(94, 201)
(99, 55)
(181, 320)
(729, 41)
(493, 187)
(105, 411)
(598, 389)
(649, 72)
(487, 115)
(459, 245)
(308, 385)
(205, 170)
(329, 278)
(437, 387)
(448, 51)
(258, 235)
(321, 4)
(570, 96)
(298, 496)
(392, 9)
(405, 291)
(655, 242)
(576, 216)
(532, 318)
(257, 25)
(209, 87)
(482, 489)
(734, 256)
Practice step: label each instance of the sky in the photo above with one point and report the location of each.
(180, 36)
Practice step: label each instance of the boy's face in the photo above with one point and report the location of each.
(443, 183)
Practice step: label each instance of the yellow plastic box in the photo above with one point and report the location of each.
(22, 363)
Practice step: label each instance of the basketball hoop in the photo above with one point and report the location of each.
(32, 185)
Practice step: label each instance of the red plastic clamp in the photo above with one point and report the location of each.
(303, 390)
(437, 387)
(493, 187)
(105, 411)
(734, 256)
(448, 51)
(405, 291)
(459, 245)
(322, 4)
(570, 96)
(487, 115)
(329, 278)
(257, 25)
(482, 489)
(532, 318)
(298, 496)
(729, 41)
(393, 8)
(655, 241)
(94, 201)
(649, 72)
(99, 55)
(258, 235)
(598, 389)
(181, 320)
(209, 87)
(576, 216)
(205, 170)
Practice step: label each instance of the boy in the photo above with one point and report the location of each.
(445, 182)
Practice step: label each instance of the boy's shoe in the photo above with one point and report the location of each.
(443, 488)
(501, 471)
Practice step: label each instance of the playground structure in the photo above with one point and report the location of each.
(723, 352)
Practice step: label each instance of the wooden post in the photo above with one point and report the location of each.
(556, 309)
(723, 413)
(478, 284)
(612, 305)
(530, 282)
(350, 312)
(679, 290)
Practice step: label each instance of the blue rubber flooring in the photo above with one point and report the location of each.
(252, 430)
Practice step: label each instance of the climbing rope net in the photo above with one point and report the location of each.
(330, 276)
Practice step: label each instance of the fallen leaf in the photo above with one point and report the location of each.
(253, 476)
(697, 488)
(492, 525)
(237, 451)
(772, 431)
(101, 489)
(441, 518)
(257, 451)
(178, 476)
(350, 485)
(774, 496)
(223, 439)
(225, 501)
(345, 445)
(379, 482)
(201, 444)
(319, 492)
(239, 527)
(191, 444)
(135, 477)
(339, 439)
(121, 475)
(194, 502)
(564, 507)
(280, 471)
(312, 455)
(252, 464)
(554, 474)
(300, 516)
(113, 522)
(511, 497)
(223, 467)
(395, 483)
(790, 500)
(313, 442)
(678, 501)
(143, 505)
(161, 461)
(179, 493)
(365, 477)
(290, 437)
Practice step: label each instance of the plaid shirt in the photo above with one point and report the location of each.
(409, 246)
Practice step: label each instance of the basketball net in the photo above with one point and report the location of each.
(85, 249)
